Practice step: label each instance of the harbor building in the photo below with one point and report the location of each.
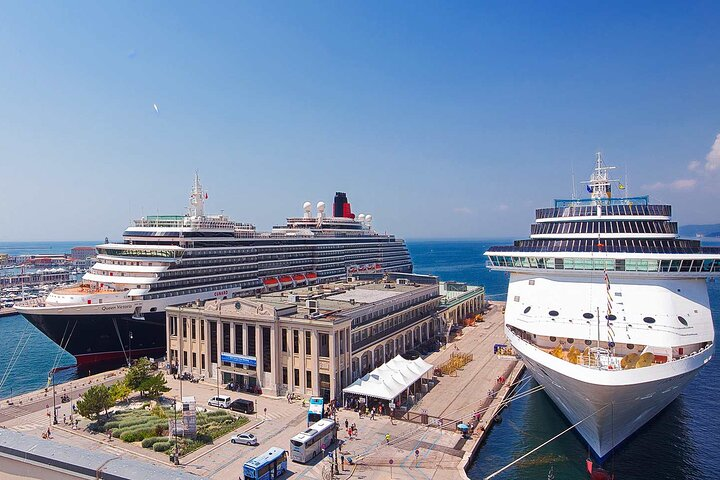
(460, 301)
(314, 340)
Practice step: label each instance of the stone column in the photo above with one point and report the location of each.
(168, 321)
(180, 340)
(218, 339)
(334, 362)
(315, 359)
(208, 360)
(259, 353)
(301, 355)
(232, 338)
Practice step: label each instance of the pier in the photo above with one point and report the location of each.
(419, 446)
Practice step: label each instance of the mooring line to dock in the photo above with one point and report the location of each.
(499, 406)
(545, 443)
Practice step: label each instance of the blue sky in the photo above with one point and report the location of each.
(442, 119)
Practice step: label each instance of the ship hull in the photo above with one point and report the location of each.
(615, 411)
(97, 338)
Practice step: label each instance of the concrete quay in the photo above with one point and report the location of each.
(415, 450)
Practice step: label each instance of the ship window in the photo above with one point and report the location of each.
(588, 342)
(630, 346)
(527, 309)
(610, 317)
(553, 313)
(553, 339)
(588, 315)
(649, 320)
(682, 320)
(571, 340)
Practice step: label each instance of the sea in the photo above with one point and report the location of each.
(679, 444)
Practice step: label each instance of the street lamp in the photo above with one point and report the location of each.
(130, 349)
(52, 376)
(177, 453)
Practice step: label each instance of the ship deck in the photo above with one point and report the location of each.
(78, 290)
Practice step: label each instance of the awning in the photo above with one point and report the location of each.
(390, 379)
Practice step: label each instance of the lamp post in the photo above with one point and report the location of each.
(130, 348)
(177, 459)
(55, 420)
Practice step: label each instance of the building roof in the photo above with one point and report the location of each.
(82, 461)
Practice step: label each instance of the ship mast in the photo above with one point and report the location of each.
(197, 199)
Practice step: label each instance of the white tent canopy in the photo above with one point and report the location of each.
(390, 379)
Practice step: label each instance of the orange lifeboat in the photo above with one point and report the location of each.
(286, 280)
(311, 276)
(378, 266)
(299, 278)
(270, 282)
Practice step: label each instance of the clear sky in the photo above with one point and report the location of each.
(442, 119)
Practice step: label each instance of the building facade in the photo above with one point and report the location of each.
(314, 340)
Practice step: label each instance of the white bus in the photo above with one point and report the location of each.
(308, 444)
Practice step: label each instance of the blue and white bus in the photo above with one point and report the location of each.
(308, 444)
(315, 410)
(269, 465)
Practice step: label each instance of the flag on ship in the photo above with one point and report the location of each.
(588, 188)
(621, 186)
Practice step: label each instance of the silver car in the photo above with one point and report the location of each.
(244, 439)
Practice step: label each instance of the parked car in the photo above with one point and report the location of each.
(242, 405)
(244, 439)
(222, 401)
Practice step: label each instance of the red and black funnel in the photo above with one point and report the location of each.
(341, 207)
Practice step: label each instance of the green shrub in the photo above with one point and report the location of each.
(112, 425)
(161, 446)
(149, 442)
(137, 434)
(131, 422)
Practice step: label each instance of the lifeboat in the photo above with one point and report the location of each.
(362, 268)
(299, 278)
(286, 280)
(353, 269)
(311, 276)
(270, 282)
(378, 266)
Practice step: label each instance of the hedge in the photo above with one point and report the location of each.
(138, 434)
(161, 446)
(149, 442)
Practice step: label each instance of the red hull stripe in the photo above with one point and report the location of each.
(90, 358)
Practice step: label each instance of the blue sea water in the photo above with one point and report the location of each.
(679, 444)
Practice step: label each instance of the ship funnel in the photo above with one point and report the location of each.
(341, 207)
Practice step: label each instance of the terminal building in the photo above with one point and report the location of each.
(314, 340)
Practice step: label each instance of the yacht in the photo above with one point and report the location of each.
(608, 308)
(117, 311)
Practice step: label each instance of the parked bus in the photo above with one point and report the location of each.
(270, 464)
(308, 444)
(315, 410)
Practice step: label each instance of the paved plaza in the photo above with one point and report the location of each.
(414, 451)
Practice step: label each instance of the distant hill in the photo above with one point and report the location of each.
(710, 230)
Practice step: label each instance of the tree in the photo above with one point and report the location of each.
(120, 391)
(94, 401)
(155, 385)
(137, 374)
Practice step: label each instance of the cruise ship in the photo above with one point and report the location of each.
(117, 312)
(608, 308)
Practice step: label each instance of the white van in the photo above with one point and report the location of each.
(222, 401)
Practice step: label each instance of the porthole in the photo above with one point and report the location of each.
(553, 339)
(610, 317)
(588, 315)
(588, 342)
(527, 309)
(553, 313)
(649, 320)
(630, 346)
(571, 340)
(682, 320)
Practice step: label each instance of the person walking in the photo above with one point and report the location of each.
(346, 424)
(372, 414)
(387, 439)
(342, 462)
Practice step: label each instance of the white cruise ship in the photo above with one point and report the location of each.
(119, 308)
(608, 308)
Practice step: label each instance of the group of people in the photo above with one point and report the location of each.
(351, 429)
